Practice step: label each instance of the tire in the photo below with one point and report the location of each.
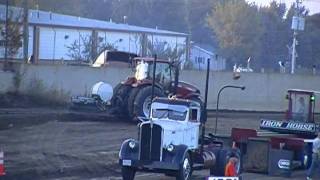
(185, 170)
(120, 98)
(128, 173)
(222, 160)
(131, 98)
(142, 101)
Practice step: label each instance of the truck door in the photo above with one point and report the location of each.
(192, 129)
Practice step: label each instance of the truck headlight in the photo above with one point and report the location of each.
(132, 144)
(170, 148)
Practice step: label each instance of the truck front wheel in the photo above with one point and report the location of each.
(185, 169)
(128, 173)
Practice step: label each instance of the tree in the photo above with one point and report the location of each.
(13, 34)
(164, 51)
(164, 14)
(82, 51)
(237, 28)
(309, 43)
(198, 10)
(275, 36)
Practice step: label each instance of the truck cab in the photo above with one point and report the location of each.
(169, 143)
(180, 121)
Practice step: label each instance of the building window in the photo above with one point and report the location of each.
(200, 60)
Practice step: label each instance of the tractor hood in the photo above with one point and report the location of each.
(185, 89)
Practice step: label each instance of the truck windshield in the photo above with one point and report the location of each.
(169, 114)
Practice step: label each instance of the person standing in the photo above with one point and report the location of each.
(315, 157)
(230, 170)
(301, 115)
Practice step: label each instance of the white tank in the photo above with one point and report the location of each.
(103, 90)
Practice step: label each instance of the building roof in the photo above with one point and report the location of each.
(38, 17)
(203, 50)
(304, 91)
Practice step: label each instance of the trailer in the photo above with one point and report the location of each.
(281, 146)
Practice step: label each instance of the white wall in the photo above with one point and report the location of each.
(130, 42)
(6, 81)
(53, 42)
(264, 92)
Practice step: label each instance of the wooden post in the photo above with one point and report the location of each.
(25, 30)
(36, 40)
(94, 47)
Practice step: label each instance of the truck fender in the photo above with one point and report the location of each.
(128, 153)
(180, 152)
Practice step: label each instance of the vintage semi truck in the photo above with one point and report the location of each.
(170, 142)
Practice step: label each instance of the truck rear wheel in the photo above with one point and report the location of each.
(185, 170)
(142, 102)
(128, 173)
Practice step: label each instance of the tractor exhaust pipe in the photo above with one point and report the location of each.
(153, 76)
(204, 119)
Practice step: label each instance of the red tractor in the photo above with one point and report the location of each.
(133, 96)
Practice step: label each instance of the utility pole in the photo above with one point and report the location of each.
(6, 36)
(297, 24)
(25, 30)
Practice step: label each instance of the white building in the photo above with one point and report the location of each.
(199, 56)
(51, 34)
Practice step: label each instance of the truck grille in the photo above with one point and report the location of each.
(150, 146)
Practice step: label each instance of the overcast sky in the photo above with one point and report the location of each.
(312, 5)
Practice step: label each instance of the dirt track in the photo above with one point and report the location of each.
(54, 144)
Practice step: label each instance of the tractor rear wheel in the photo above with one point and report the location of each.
(131, 99)
(120, 97)
(142, 102)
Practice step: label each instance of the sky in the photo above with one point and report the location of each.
(312, 5)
